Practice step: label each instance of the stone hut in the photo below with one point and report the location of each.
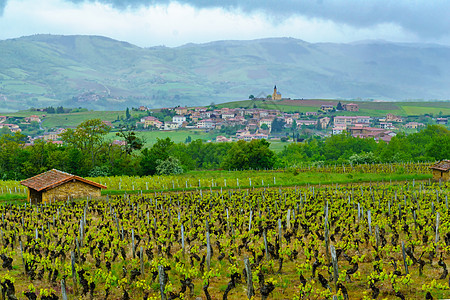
(57, 185)
(441, 170)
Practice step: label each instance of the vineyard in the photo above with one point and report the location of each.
(302, 175)
(353, 241)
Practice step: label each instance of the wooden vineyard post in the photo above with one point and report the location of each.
(377, 236)
(74, 274)
(63, 289)
(250, 221)
(369, 220)
(280, 231)
(162, 282)
(265, 243)
(21, 252)
(288, 219)
(437, 231)
(208, 250)
(133, 247)
(250, 289)
(404, 258)
(141, 258)
(335, 265)
(182, 239)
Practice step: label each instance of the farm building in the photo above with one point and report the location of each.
(56, 185)
(441, 170)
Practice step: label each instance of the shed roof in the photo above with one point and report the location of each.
(443, 165)
(54, 178)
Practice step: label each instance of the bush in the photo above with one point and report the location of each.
(169, 166)
(99, 171)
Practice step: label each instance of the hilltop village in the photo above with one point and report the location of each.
(232, 124)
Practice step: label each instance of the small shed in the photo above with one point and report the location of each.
(441, 170)
(57, 185)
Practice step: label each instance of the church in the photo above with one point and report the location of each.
(276, 95)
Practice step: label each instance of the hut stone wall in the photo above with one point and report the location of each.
(34, 196)
(441, 175)
(72, 189)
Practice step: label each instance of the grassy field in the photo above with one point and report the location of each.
(365, 107)
(177, 136)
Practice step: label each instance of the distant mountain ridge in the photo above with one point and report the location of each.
(102, 73)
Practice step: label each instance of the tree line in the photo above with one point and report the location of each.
(87, 152)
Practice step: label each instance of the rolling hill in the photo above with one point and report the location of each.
(104, 74)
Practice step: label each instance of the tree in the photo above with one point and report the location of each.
(160, 150)
(294, 125)
(251, 97)
(249, 155)
(339, 106)
(60, 110)
(127, 114)
(133, 142)
(277, 125)
(89, 137)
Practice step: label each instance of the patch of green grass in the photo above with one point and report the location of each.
(13, 198)
(420, 110)
(74, 119)
(177, 136)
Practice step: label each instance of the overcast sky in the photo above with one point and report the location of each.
(172, 23)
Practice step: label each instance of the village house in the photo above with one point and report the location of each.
(324, 122)
(392, 118)
(57, 185)
(51, 136)
(206, 124)
(33, 118)
(222, 139)
(179, 119)
(441, 170)
(372, 132)
(171, 126)
(351, 120)
(413, 125)
(311, 113)
(439, 121)
(326, 107)
(150, 121)
(387, 125)
(143, 108)
(339, 128)
(300, 123)
(350, 107)
(228, 115)
(267, 122)
(3, 119)
(181, 110)
(13, 127)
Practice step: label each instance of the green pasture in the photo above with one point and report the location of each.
(74, 119)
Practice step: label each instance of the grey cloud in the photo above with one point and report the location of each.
(2, 6)
(423, 18)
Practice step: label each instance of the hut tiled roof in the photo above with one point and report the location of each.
(443, 165)
(54, 178)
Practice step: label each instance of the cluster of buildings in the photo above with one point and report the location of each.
(256, 123)
(16, 128)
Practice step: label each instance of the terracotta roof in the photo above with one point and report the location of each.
(54, 178)
(443, 165)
